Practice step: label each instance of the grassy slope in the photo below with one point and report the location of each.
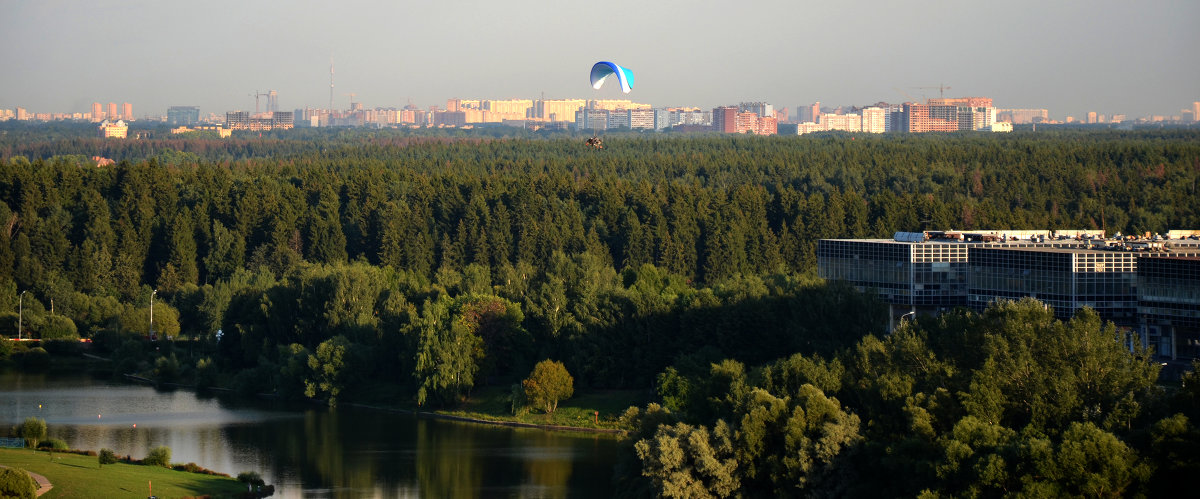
(74, 475)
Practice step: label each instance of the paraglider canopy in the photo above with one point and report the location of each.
(603, 69)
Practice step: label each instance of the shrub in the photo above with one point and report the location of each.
(58, 327)
(16, 483)
(107, 456)
(158, 456)
(53, 444)
(251, 477)
(166, 369)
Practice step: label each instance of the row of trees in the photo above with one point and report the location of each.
(1010, 401)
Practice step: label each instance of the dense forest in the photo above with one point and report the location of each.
(355, 265)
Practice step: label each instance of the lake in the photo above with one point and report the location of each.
(309, 451)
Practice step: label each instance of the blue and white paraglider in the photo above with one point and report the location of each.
(604, 69)
(600, 72)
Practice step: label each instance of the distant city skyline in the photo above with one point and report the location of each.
(1108, 57)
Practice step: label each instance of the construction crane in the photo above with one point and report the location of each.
(256, 95)
(351, 94)
(940, 88)
(909, 97)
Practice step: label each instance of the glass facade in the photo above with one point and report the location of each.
(1169, 305)
(1156, 291)
(1065, 279)
(902, 273)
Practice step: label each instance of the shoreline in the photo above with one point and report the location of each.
(425, 414)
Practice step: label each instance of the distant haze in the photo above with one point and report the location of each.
(1071, 57)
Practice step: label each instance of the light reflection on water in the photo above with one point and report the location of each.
(313, 452)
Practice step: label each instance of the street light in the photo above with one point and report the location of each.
(152, 293)
(20, 313)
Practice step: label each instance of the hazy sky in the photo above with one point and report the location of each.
(1111, 56)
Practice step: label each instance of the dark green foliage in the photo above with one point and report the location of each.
(158, 456)
(53, 444)
(33, 359)
(17, 484)
(350, 264)
(251, 478)
(1010, 401)
(107, 456)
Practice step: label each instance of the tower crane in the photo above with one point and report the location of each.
(940, 88)
(351, 94)
(256, 95)
(910, 98)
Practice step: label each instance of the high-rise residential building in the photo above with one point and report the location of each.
(874, 120)
(844, 122)
(1196, 111)
(591, 119)
(112, 111)
(22, 114)
(183, 115)
(917, 118)
(1092, 117)
(557, 110)
(514, 107)
(618, 120)
(642, 119)
(724, 119)
(689, 116)
(809, 113)
(760, 108)
(127, 111)
(97, 111)
(272, 101)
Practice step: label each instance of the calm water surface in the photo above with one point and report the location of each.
(313, 452)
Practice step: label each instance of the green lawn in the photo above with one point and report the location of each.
(79, 476)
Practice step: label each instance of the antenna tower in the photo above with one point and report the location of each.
(331, 84)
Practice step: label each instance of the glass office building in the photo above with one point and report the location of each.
(1065, 279)
(916, 275)
(1168, 305)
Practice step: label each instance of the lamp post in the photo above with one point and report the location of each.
(20, 313)
(152, 293)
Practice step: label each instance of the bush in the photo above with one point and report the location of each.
(158, 456)
(58, 327)
(166, 369)
(251, 477)
(107, 456)
(16, 483)
(53, 444)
